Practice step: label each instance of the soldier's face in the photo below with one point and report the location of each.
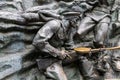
(74, 21)
(116, 61)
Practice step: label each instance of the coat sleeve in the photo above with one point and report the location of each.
(41, 40)
(47, 15)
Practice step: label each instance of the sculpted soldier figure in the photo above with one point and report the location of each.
(96, 18)
(50, 41)
(116, 14)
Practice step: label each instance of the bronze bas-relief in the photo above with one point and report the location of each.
(60, 31)
(67, 25)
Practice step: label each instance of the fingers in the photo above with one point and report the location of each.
(69, 56)
(64, 55)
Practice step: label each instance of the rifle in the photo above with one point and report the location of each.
(88, 50)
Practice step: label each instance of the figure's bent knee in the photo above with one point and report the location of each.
(55, 71)
(86, 24)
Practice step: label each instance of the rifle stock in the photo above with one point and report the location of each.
(88, 50)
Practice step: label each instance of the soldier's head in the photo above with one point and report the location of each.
(72, 17)
(115, 60)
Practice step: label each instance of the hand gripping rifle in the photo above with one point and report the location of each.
(88, 50)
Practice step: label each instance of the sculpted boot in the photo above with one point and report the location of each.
(87, 69)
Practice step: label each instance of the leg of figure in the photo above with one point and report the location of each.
(87, 69)
(55, 71)
(101, 33)
(85, 26)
